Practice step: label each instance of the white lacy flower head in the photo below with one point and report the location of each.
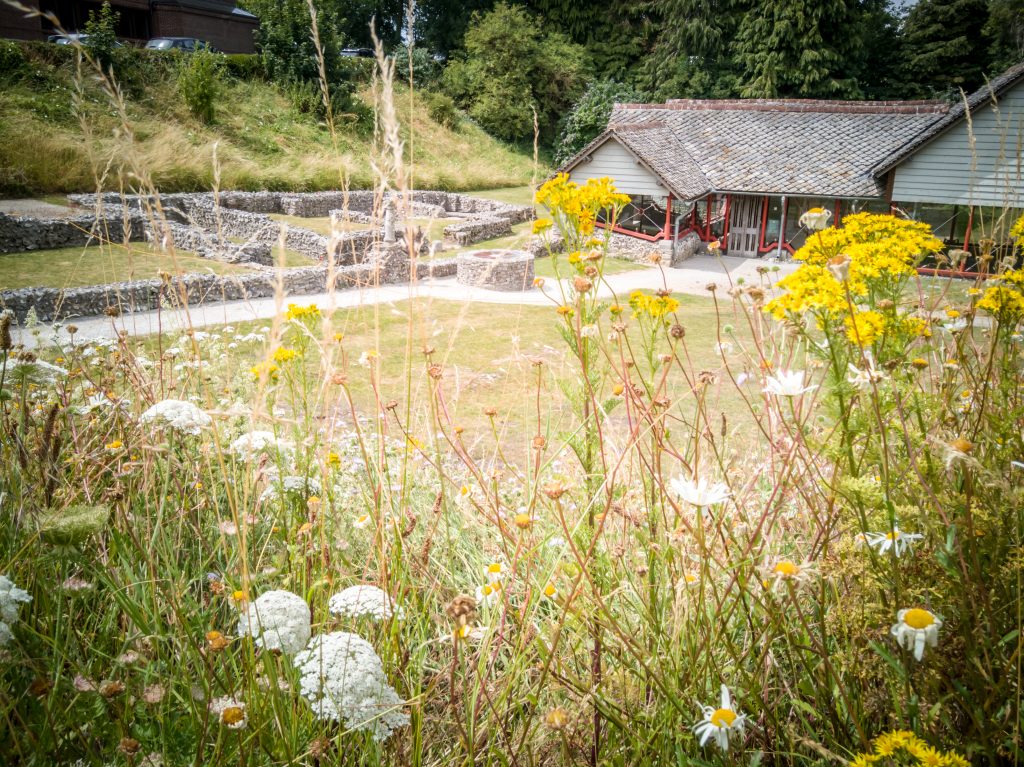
(32, 371)
(293, 486)
(256, 443)
(179, 415)
(815, 219)
(915, 628)
(277, 620)
(787, 383)
(720, 724)
(363, 601)
(343, 679)
(897, 540)
(11, 599)
(230, 712)
(864, 379)
(701, 492)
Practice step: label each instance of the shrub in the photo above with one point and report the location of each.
(442, 109)
(102, 31)
(244, 66)
(589, 116)
(198, 83)
(426, 70)
(12, 59)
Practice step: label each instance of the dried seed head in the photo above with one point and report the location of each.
(582, 284)
(461, 609)
(677, 331)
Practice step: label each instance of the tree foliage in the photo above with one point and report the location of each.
(511, 69)
(945, 45)
(589, 116)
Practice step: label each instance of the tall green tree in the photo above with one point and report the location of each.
(945, 45)
(589, 116)
(1006, 31)
(510, 69)
(388, 17)
(615, 33)
(692, 52)
(441, 24)
(799, 48)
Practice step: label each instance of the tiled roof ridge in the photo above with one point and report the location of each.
(649, 125)
(796, 105)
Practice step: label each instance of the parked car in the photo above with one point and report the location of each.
(187, 44)
(70, 38)
(360, 52)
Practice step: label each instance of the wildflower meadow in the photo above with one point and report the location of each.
(250, 545)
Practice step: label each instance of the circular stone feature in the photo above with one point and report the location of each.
(496, 269)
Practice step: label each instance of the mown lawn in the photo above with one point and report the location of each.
(99, 264)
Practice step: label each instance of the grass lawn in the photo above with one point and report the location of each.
(319, 224)
(517, 195)
(487, 350)
(99, 264)
(545, 267)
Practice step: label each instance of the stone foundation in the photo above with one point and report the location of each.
(508, 270)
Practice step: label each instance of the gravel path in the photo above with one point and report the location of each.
(691, 278)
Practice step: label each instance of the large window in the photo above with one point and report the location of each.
(644, 215)
(795, 208)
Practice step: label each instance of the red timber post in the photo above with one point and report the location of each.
(970, 224)
(668, 217)
(725, 226)
(838, 211)
(764, 224)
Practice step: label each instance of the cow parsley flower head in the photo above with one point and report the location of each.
(256, 443)
(343, 679)
(277, 620)
(292, 487)
(363, 600)
(178, 415)
(11, 598)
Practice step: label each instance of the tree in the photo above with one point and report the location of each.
(881, 51)
(799, 48)
(388, 18)
(1006, 31)
(589, 116)
(692, 53)
(441, 24)
(510, 69)
(615, 33)
(946, 45)
(101, 34)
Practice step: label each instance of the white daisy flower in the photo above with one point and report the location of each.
(489, 593)
(361, 521)
(897, 540)
(720, 724)
(788, 383)
(916, 628)
(495, 572)
(700, 493)
(230, 712)
(864, 379)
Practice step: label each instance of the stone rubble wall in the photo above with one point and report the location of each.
(477, 230)
(513, 272)
(21, 233)
(52, 304)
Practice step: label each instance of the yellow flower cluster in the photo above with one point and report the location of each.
(296, 312)
(579, 205)
(284, 354)
(870, 251)
(1005, 301)
(1017, 232)
(894, 748)
(268, 369)
(864, 328)
(652, 306)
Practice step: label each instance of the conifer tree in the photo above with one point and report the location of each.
(799, 49)
(945, 45)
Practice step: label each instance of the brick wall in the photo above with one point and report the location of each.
(228, 33)
(14, 25)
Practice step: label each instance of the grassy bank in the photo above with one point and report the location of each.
(262, 140)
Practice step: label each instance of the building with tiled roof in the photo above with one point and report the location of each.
(744, 171)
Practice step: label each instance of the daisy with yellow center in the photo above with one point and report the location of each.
(916, 628)
(788, 571)
(115, 445)
(488, 593)
(361, 521)
(896, 540)
(550, 592)
(495, 572)
(522, 520)
(720, 724)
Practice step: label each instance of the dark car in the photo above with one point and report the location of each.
(187, 44)
(360, 52)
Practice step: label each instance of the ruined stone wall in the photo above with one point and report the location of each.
(21, 233)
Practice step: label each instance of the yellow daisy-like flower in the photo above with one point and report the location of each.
(115, 445)
(864, 328)
(296, 312)
(541, 225)
(285, 354)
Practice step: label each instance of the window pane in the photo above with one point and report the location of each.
(771, 229)
(643, 214)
